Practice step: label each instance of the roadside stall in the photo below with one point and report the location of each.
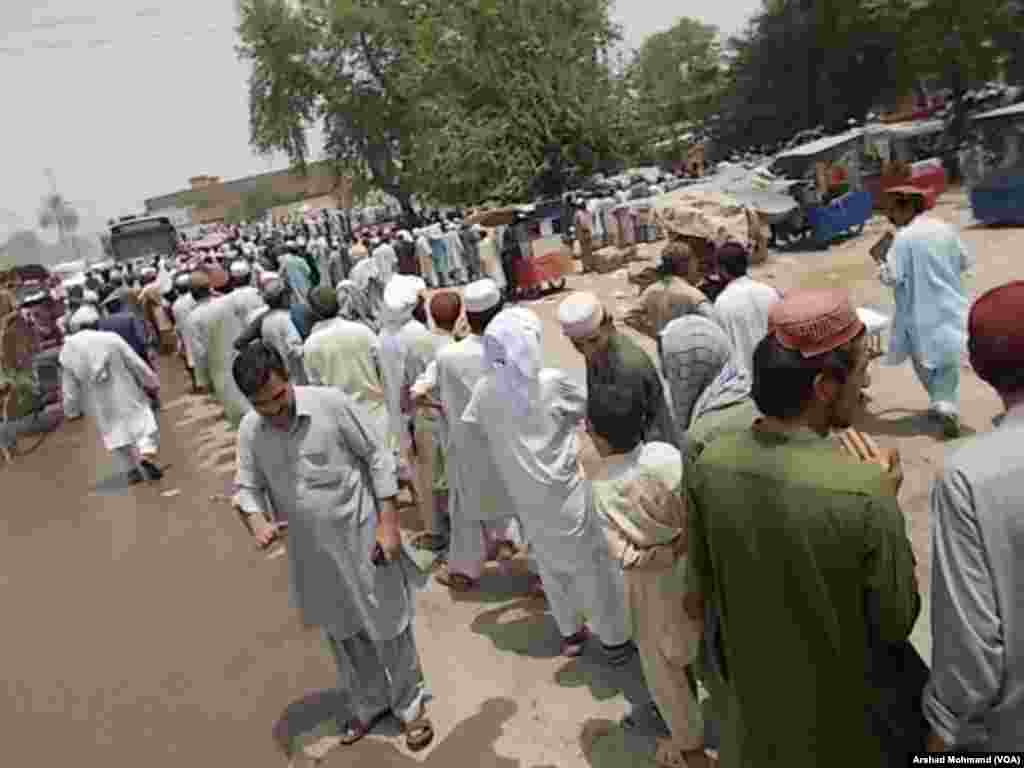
(896, 154)
(999, 197)
(545, 256)
(832, 202)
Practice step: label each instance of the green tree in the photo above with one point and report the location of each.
(677, 76)
(959, 42)
(450, 100)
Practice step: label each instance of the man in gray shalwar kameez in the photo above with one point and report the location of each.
(975, 699)
(321, 463)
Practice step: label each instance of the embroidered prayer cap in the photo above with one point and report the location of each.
(445, 307)
(995, 336)
(481, 295)
(239, 268)
(581, 315)
(813, 322)
(83, 316)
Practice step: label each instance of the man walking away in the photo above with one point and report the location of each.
(104, 377)
(925, 266)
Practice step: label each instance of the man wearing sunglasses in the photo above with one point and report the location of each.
(325, 467)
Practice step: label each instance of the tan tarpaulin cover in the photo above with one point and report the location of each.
(711, 216)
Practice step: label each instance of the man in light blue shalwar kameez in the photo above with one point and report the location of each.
(925, 267)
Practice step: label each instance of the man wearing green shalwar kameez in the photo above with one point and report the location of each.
(801, 553)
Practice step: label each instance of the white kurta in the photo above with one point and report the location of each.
(104, 378)
(180, 310)
(476, 489)
(537, 455)
(742, 309)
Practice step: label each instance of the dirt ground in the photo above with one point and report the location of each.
(141, 626)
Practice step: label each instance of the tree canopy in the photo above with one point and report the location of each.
(452, 100)
(462, 101)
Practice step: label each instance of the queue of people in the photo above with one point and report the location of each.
(740, 536)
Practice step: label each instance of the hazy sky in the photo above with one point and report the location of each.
(126, 99)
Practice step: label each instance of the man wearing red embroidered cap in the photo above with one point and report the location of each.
(800, 563)
(975, 699)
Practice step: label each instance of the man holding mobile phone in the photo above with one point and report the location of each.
(328, 472)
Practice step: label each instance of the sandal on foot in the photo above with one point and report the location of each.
(418, 734)
(355, 729)
(573, 645)
(459, 582)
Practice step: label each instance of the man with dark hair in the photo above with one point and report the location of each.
(925, 266)
(673, 296)
(314, 452)
(800, 554)
(480, 507)
(743, 305)
(975, 699)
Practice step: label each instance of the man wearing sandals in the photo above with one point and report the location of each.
(324, 466)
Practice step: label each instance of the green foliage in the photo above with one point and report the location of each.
(451, 100)
(677, 76)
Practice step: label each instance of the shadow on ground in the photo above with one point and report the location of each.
(909, 424)
(471, 742)
(522, 627)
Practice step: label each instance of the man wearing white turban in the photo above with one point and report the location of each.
(530, 416)
(104, 377)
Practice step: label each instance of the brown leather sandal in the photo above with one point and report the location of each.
(418, 734)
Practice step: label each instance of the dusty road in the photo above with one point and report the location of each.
(141, 627)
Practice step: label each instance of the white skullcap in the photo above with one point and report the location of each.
(481, 295)
(580, 315)
(148, 271)
(90, 297)
(403, 292)
(182, 280)
(86, 315)
(664, 461)
(239, 268)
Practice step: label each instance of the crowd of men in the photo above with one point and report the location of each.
(739, 534)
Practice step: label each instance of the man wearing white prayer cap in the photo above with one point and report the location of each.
(104, 377)
(402, 294)
(240, 273)
(615, 363)
(480, 507)
(529, 416)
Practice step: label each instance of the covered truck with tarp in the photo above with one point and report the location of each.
(998, 198)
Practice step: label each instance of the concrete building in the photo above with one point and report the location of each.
(208, 200)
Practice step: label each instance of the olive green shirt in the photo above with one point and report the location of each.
(788, 536)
